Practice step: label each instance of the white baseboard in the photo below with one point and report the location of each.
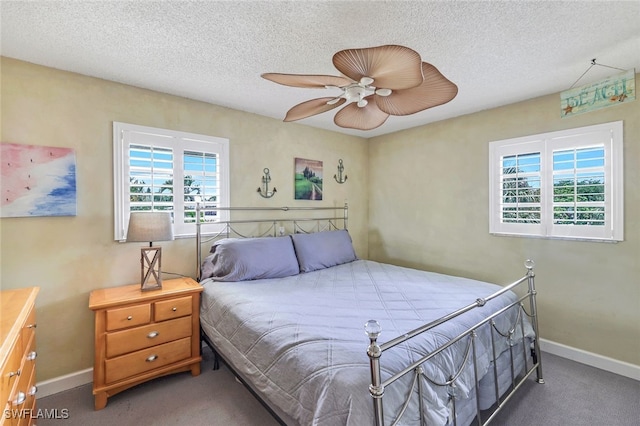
(589, 358)
(70, 381)
(63, 383)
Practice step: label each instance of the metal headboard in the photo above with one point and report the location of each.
(228, 230)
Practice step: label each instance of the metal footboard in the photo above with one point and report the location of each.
(468, 337)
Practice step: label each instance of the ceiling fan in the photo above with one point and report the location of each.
(378, 82)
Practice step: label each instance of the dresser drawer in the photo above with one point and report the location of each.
(10, 371)
(125, 341)
(18, 397)
(29, 328)
(128, 316)
(31, 391)
(174, 308)
(138, 362)
(30, 354)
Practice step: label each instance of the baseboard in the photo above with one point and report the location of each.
(63, 383)
(73, 380)
(589, 358)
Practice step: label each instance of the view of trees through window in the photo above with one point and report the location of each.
(578, 187)
(151, 181)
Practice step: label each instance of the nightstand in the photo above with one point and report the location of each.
(143, 335)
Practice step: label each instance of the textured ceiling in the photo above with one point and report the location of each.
(214, 51)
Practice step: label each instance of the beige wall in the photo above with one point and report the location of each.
(428, 208)
(424, 205)
(70, 256)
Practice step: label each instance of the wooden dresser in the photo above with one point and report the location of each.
(18, 356)
(143, 335)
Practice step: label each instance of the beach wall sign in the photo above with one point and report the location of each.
(614, 90)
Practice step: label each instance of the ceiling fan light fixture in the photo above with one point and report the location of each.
(366, 81)
(362, 103)
(383, 92)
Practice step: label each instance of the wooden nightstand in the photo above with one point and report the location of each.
(143, 335)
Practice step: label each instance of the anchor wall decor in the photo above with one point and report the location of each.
(264, 191)
(338, 177)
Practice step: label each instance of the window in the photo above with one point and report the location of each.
(165, 170)
(566, 184)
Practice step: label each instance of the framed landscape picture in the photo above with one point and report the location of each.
(307, 179)
(37, 181)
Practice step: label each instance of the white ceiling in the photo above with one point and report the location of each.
(497, 52)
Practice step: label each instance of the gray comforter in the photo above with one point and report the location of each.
(301, 341)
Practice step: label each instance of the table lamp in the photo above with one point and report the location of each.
(149, 227)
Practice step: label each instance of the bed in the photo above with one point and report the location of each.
(324, 338)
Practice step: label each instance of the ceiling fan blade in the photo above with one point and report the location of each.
(312, 107)
(435, 90)
(307, 81)
(391, 66)
(362, 118)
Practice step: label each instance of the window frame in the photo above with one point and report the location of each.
(179, 142)
(606, 135)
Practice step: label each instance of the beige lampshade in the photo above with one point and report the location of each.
(150, 226)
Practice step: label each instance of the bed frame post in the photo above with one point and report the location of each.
(346, 215)
(372, 328)
(534, 317)
(198, 242)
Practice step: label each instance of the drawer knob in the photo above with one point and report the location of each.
(14, 373)
(152, 358)
(34, 325)
(129, 318)
(174, 309)
(20, 398)
(33, 390)
(153, 334)
(32, 355)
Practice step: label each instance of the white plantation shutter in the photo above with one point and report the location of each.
(565, 184)
(164, 170)
(521, 188)
(150, 178)
(204, 180)
(516, 171)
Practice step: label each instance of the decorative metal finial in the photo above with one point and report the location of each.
(264, 191)
(340, 170)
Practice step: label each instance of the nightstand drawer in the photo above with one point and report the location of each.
(174, 308)
(125, 341)
(129, 365)
(128, 317)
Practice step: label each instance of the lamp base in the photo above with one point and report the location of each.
(150, 272)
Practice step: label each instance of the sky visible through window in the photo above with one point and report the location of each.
(578, 186)
(152, 172)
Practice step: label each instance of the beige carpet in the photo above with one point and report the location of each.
(574, 395)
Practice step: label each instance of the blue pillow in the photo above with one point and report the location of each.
(321, 250)
(235, 259)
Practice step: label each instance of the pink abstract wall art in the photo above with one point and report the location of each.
(37, 181)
